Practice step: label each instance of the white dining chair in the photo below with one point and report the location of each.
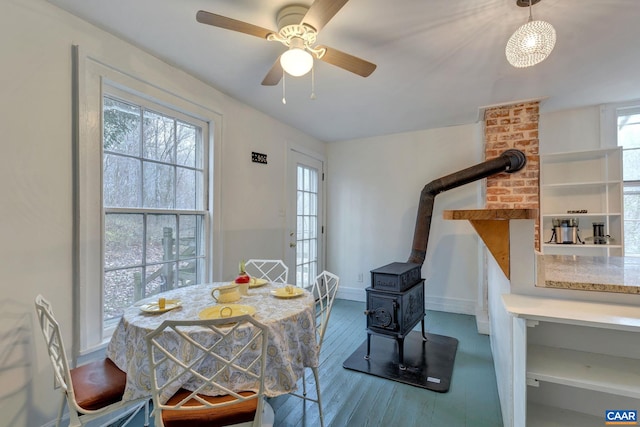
(273, 270)
(90, 391)
(324, 291)
(206, 353)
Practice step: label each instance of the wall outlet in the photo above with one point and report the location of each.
(360, 277)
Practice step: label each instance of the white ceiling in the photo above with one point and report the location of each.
(438, 61)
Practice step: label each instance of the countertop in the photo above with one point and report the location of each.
(589, 273)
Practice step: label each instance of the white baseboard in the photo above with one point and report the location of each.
(483, 325)
(449, 305)
(352, 294)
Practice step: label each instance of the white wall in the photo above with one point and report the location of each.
(255, 195)
(570, 130)
(36, 184)
(374, 188)
(373, 191)
(501, 339)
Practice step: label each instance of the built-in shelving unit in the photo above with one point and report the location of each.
(588, 181)
(582, 358)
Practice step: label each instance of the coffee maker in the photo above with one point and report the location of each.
(599, 237)
(565, 231)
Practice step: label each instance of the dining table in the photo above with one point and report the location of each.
(290, 320)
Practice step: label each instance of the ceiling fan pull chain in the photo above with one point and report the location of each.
(284, 99)
(313, 83)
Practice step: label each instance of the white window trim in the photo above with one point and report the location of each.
(609, 124)
(609, 121)
(90, 76)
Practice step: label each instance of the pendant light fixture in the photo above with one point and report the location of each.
(532, 42)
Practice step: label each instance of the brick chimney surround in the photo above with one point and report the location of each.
(514, 126)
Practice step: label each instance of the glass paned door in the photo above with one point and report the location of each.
(305, 238)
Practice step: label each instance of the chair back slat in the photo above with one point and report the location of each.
(98, 384)
(324, 290)
(275, 271)
(199, 358)
(55, 346)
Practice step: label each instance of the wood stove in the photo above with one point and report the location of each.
(395, 303)
(395, 300)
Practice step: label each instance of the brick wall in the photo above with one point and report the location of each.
(514, 126)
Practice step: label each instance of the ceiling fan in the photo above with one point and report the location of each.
(298, 27)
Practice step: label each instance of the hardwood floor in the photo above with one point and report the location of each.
(355, 399)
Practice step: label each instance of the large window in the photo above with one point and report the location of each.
(144, 192)
(629, 139)
(154, 192)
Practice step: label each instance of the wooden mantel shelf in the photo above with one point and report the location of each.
(492, 225)
(488, 214)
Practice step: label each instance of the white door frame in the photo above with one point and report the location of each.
(296, 155)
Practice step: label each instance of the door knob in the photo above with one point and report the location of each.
(292, 244)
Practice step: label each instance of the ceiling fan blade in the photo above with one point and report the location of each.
(231, 24)
(321, 12)
(348, 62)
(274, 75)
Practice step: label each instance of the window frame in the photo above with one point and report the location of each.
(609, 114)
(117, 94)
(92, 78)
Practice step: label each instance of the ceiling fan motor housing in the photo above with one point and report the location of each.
(293, 33)
(291, 15)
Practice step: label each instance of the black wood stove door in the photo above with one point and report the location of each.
(382, 312)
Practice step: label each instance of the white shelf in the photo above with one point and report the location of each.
(591, 371)
(581, 358)
(585, 215)
(583, 180)
(585, 245)
(580, 184)
(579, 156)
(583, 313)
(550, 416)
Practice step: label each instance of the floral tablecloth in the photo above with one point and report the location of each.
(291, 324)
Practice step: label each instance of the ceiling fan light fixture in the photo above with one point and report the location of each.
(298, 28)
(296, 61)
(531, 43)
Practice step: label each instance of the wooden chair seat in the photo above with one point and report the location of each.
(98, 384)
(217, 350)
(221, 416)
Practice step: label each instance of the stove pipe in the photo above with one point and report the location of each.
(509, 161)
